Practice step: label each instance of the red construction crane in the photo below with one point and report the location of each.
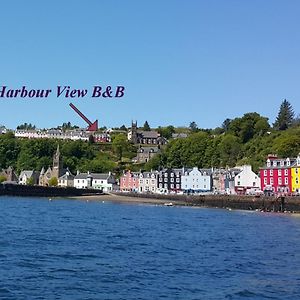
(92, 126)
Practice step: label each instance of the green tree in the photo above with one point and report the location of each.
(193, 126)
(30, 181)
(120, 145)
(146, 126)
(285, 116)
(166, 132)
(225, 124)
(2, 178)
(53, 181)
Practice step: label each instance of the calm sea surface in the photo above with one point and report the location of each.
(68, 249)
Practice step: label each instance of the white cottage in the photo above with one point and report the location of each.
(246, 182)
(105, 181)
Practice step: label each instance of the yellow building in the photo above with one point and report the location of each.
(295, 172)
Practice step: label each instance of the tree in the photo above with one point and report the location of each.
(91, 139)
(30, 181)
(193, 126)
(120, 145)
(123, 127)
(285, 116)
(53, 181)
(146, 126)
(26, 126)
(166, 132)
(2, 178)
(225, 124)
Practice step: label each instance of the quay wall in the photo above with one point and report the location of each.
(42, 191)
(244, 202)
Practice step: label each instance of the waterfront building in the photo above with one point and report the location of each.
(169, 180)
(246, 181)
(295, 175)
(9, 174)
(276, 175)
(148, 182)
(144, 154)
(104, 181)
(223, 180)
(195, 180)
(30, 177)
(66, 180)
(129, 182)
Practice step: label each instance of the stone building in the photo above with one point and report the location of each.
(56, 171)
(9, 174)
(144, 154)
(151, 137)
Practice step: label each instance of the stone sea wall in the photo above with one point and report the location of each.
(41, 191)
(276, 204)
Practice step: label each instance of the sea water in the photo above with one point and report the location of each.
(70, 249)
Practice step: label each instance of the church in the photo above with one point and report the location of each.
(57, 169)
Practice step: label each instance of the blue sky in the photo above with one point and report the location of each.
(180, 61)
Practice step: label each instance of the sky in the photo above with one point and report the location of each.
(180, 61)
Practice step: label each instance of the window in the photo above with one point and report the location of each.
(172, 186)
(286, 172)
(271, 172)
(160, 185)
(166, 174)
(253, 183)
(274, 163)
(177, 179)
(204, 186)
(271, 180)
(166, 186)
(172, 174)
(177, 186)
(285, 180)
(166, 179)
(279, 181)
(265, 180)
(265, 172)
(297, 180)
(296, 171)
(279, 172)
(238, 183)
(172, 179)
(160, 179)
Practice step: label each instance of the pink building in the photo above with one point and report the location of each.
(129, 182)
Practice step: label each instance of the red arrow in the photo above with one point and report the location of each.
(92, 126)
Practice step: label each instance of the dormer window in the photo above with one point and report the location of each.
(274, 163)
(288, 162)
(282, 163)
(268, 163)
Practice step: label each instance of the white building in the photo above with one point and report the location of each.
(27, 176)
(66, 180)
(147, 182)
(105, 182)
(246, 182)
(195, 180)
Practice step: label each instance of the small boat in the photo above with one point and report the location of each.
(168, 204)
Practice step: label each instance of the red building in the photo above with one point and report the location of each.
(129, 182)
(276, 175)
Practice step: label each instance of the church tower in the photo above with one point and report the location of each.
(57, 164)
(134, 135)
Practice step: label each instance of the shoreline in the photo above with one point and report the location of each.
(263, 204)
